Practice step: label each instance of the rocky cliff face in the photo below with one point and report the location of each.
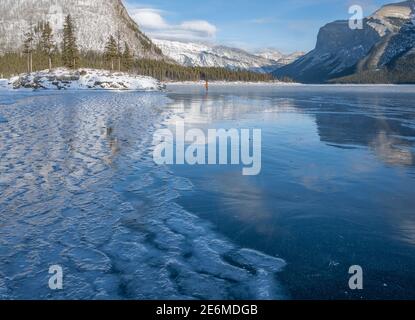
(392, 47)
(341, 51)
(95, 21)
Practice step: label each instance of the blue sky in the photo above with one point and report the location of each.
(285, 25)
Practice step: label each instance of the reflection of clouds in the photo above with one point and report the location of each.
(248, 203)
(316, 181)
(319, 178)
(401, 214)
(386, 147)
(407, 227)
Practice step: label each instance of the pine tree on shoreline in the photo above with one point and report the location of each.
(28, 49)
(39, 43)
(47, 43)
(70, 52)
(111, 51)
(127, 57)
(119, 51)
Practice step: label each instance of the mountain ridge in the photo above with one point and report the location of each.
(342, 52)
(193, 54)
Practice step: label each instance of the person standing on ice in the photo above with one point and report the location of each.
(204, 76)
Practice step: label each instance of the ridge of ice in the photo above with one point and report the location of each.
(92, 200)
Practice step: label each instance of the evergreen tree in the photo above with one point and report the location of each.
(47, 43)
(37, 36)
(70, 52)
(127, 57)
(28, 48)
(119, 51)
(111, 51)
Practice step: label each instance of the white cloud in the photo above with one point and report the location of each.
(148, 18)
(201, 26)
(152, 21)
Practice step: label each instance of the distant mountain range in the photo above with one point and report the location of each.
(205, 55)
(383, 51)
(282, 59)
(95, 21)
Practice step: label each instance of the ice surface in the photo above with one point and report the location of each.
(4, 84)
(232, 83)
(79, 189)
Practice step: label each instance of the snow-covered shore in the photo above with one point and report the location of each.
(231, 83)
(91, 79)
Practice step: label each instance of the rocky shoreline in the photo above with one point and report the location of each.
(65, 79)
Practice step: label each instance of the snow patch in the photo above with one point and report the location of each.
(62, 78)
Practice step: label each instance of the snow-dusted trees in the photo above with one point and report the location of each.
(114, 51)
(119, 50)
(111, 51)
(70, 52)
(47, 43)
(127, 57)
(38, 43)
(28, 48)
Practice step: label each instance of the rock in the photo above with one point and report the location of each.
(341, 51)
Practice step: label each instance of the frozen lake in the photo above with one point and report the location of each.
(79, 188)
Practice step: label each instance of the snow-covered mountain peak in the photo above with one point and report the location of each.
(281, 58)
(388, 18)
(400, 10)
(271, 54)
(209, 55)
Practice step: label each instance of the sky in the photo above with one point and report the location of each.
(290, 25)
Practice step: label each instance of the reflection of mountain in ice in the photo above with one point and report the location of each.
(387, 129)
(227, 108)
(79, 189)
(345, 116)
(336, 184)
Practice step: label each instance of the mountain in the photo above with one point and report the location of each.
(95, 21)
(283, 59)
(205, 55)
(384, 43)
